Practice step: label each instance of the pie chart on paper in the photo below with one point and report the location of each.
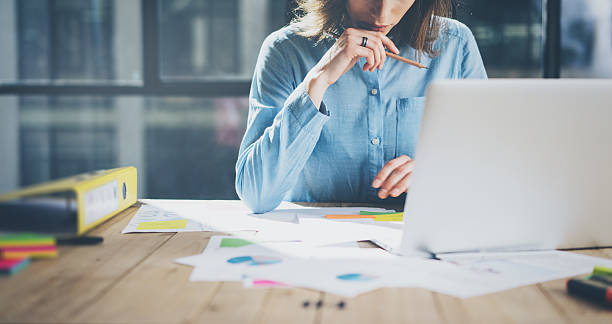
(255, 260)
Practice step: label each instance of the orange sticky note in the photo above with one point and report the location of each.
(346, 216)
(44, 251)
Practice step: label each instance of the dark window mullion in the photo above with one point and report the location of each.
(150, 43)
(552, 36)
(239, 88)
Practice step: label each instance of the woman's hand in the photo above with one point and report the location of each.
(394, 178)
(343, 55)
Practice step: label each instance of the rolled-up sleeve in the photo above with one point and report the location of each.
(283, 128)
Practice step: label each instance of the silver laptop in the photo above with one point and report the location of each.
(512, 164)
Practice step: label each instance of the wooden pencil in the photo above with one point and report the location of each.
(405, 60)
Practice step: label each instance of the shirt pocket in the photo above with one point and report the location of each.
(409, 113)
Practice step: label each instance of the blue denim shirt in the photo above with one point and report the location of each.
(292, 151)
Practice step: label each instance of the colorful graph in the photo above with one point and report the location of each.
(356, 277)
(256, 260)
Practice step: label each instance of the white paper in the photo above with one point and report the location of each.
(147, 213)
(483, 273)
(219, 263)
(331, 269)
(294, 215)
(288, 222)
(344, 272)
(349, 271)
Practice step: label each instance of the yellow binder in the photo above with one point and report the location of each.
(71, 205)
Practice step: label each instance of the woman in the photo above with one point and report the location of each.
(335, 119)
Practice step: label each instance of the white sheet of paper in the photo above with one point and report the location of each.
(218, 263)
(148, 213)
(483, 273)
(344, 272)
(233, 216)
(349, 271)
(324, 231)
(297, 264)
(294, 215)
(217, 215)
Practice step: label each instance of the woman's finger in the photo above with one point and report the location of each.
(376, 46)
(402, 186)
(385, 42)
(373, 44)
(376, 42)
(388, 168)
(397, 175)
(368, 54)
(388, 43)
(379, 46)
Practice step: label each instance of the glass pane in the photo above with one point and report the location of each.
(586, 38)
(509, 35)
(209, 38)
(183, 147)
(44, 41)
(192, 145)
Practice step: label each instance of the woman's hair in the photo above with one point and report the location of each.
(418, 28)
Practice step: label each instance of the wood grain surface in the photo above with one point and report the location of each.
(131, 278)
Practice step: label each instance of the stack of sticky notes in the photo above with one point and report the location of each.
(12, 266)
(376, 216)
(16, 250)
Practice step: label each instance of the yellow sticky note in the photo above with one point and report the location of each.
(159, 225)
(389, 218)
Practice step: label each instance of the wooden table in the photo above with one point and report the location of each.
(132, 279)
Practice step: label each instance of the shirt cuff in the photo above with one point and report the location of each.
(323, 109)
(303, 109)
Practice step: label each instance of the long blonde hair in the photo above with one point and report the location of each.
(418, 28)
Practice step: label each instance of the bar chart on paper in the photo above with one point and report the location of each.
(152, 219)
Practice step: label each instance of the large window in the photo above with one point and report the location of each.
(71, 42)
(183, 147)
(160, 85)
(163, 84)
(586, 38)
(509, 35)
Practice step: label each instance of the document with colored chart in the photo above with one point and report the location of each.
(149, 219)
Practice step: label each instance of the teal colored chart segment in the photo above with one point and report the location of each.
(356, 277)
(256, 260)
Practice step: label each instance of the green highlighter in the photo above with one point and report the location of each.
(596, 287)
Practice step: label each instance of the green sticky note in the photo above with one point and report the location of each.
(162, 225)
(234, 242)
(380, 213)
(25, 239)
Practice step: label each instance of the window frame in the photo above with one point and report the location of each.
(152, 84)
